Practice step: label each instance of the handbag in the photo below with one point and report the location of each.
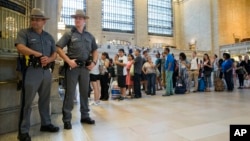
(132, 70)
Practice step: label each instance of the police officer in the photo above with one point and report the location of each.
(81, 44)
(39, 45)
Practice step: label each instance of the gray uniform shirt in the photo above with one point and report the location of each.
(43, 43)
(80, 45)
(138, 64)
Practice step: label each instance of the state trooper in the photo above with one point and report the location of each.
(40, 48)
(81, 45)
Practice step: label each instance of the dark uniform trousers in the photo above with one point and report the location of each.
(81, 75)
(36, 80)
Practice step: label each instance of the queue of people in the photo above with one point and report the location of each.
(83, 66)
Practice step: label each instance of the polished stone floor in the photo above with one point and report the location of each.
(191, 117)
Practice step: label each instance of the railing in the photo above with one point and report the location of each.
(237, 48)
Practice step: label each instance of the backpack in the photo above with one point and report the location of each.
(201, 85)
(180, 87)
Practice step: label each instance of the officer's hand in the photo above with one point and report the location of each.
(91, 66)
(38, 54)
(72, 63)
(44, 60)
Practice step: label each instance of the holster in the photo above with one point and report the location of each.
(79, 63)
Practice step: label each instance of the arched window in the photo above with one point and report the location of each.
(160, 17)
(118, 15)
(68, 8)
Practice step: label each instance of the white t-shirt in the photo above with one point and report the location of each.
(215, 65)
(194, 64)
(124, 60)
(95, 69)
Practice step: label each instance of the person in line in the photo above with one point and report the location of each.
(169, 67)
(184, 66)
(176, 71)
(40, 48)
(81, 48)
(216, 71)
(227, 71)
(163, 71)
(207, 70)
(95, 83)
(121, 63)
(158, 66)
(246, 64)
(104, 76)
(194, 70)
(129, 78)
(143, 76)
(240, 72)
(150, 70)
(137, 73)
(234, 71)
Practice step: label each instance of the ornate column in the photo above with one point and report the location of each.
(141, 23)
(50, 8)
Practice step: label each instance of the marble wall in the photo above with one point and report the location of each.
(233, 20)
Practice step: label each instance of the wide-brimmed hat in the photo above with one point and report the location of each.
(80, 13)
(38, 14)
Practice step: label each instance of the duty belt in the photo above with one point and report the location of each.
(36, 63)
(80, 63)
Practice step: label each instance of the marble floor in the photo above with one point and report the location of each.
(191, 117)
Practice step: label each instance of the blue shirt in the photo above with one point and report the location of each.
(227, 64)
(169, 59)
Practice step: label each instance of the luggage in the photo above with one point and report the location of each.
(115, 90)
(219, 85)
(180, 87)
(201, 84)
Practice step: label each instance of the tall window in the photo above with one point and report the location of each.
(118, 15)
(68, 8)
(160, 17)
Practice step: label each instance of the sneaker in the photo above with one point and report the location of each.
(92, 103)
(98, 102)
(24, 137)
(49, 128)
(121, 98)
